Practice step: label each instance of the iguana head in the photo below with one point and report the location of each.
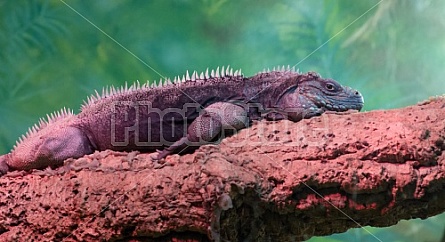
(329, 94)
(313, 95)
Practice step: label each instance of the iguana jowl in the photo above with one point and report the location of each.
(170, 115)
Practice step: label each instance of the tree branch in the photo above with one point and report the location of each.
(276, 180)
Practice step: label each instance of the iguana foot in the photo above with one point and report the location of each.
(160, 154)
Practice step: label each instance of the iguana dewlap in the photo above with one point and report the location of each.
(171, 116)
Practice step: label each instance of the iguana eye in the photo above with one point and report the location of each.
(330, 86)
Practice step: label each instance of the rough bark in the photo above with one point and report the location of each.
(276, 181)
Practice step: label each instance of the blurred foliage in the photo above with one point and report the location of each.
(392, 51)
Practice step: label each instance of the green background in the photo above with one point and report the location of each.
(393, 51)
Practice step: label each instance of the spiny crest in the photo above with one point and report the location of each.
(112, 90)
(218, 73)
(50, 118)
(177, 81)
(283, 68)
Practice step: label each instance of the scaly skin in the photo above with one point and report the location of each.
(174, 116)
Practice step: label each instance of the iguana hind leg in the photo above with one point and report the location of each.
(214, 119)
(50, 147)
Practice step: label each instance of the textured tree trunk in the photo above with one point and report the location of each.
(276, 181)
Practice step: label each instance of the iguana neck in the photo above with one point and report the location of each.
(267, 88)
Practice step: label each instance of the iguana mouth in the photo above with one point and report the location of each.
(341, 108)
(347, 105)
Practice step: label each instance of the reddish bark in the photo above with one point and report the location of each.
(274, 181)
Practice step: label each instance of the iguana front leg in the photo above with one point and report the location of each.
(209, 124)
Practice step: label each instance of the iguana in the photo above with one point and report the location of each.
(173, 115)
